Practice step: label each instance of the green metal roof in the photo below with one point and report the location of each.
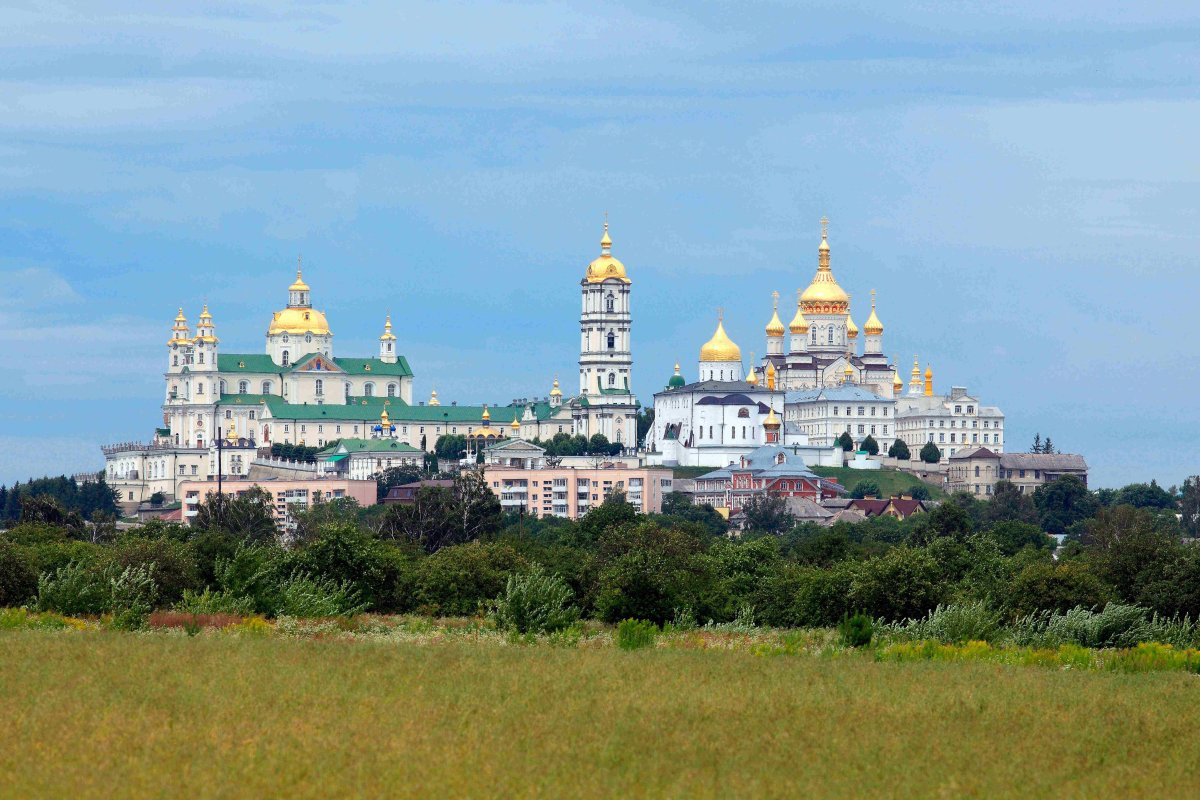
(373, 366)
(369, 408)
(368, 446)
(247, 362)
(338, 457)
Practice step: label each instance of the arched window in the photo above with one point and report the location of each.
(286, 358)
(391, 390)
(812, 336)
(285, 339)
(320, 386)
(612, 379)
(174, 361)
(201, 356)
(266, 387)
(608, 303)
(347, 385)
(830, 334)
(243, 387)
(369, 390)
(200, 388)
(222, 387)
(612, 340)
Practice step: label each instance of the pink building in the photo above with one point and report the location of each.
(287, 494)
(571, 492)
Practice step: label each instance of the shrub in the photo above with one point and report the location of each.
(173, 563)
(904, 582)
(251, 572)
(855, 631)
(303, 595)
(132, 595)
(634, 634)
(534, 602)
(1056, 587)
(457, 580)
(1114, 626)
(18, 578)
(218, 602)
(74, 589)
(955, 623)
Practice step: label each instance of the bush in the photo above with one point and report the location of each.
(18, 578)
(74, 589)
(856, 631)
(132, 595)
(458, 580)
(904, 582)
(173, 563)
(1114, 626)
(251, 572)
(865, 489)
(534, 602)
(634, 634)
(1056, 587)
(303, 595)
(930, 453)
(955, 623)
(218, 602)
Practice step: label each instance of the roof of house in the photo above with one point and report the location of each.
(514, 444)
(804, 509)
(765, 460)
(369, 446)
(370, 408)
(973, 452)
(873, 507)
(1052, 462)
(259, 363)
(845, 392)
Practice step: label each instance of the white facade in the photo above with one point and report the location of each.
(953, 422)
(824, 414)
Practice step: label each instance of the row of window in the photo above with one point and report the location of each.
(862, 411)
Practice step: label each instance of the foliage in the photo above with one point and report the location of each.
(1189, 506)
(856, 630)
(458, 580)
(1063, 502)
(1144, 495)
(394, 476)
(646, 571)
(899, 450)
(845, 441)
(535, 602)
(768, 514)
(296, 452)
(954, 623)
(249, 516)
(441, 517)
(904, 582)
(869, 445)
(865, 489)
(1113, 626)
(214, 602)
(18, 577)
(303, 595)
(74, 589)
(635, 634)
(173, 563)
(1012, 536)
(1009, 504)
(69, 496)
(680, 506)
(920, 492)
(930, 453)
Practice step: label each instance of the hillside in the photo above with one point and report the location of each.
(890, 481)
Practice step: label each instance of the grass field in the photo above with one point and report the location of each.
(890, 481)
(107, 714)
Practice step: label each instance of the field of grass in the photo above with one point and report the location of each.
(100, 713)
(890, 481)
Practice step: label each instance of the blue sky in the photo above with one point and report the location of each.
(1018, 183)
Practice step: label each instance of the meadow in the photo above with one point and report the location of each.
(419, 712)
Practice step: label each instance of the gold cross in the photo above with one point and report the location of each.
(824, 227)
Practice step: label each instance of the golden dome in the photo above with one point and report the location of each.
(487, 415)
(433, 398)
(720, 347)
(299, 320)
(204, 314)
(851, 328)
(299, 285)
(873, 327)
(775, 326)
(916, 370)
(753, 379)
(928, 372)
(516, 424)
(798, 324)
(384, 420)
(180, 317)
(606, 267)
(771, 421)
(387, 330)
(824, 295)
(897, 384)
(556, 392)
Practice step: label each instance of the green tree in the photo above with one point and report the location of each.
(1009, 504)
(1189, 506)
(1063, 502)
(451, 447)
(930, 453)
(870, 445)
(767, 514)
(865, 489)
(680, 506)
(949, 518)
(899, 450)
(598, 444)
(18, 576)
(1012, 536)
(904, 582)
(44, 509)
(647, 571)
(845, 442)
(1056, 587)
(394, 476)
(249, 516)
(919, 492)
(1128, 549)
(1145, 495)
(645, 421)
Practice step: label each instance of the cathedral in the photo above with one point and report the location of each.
(223, 410)
(820, 346)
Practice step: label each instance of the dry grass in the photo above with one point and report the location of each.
(102, 714)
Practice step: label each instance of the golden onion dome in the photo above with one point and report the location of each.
(928, 372)
(897, 384)
(556, 392)
(720, 347)
(387, 330)
(606, 267)
(916, 370)
(873, 327)
(848, 371)
(487, 415)
(299, 320)
(775, 326)
(851, 328)
(798, 324)
(824, 295)
(204, 314)
(753, 379)
(771, 421)
(180, 317)
(433, 398)
(516, 424)
(298, 285)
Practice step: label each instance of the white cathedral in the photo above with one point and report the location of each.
(230, 407)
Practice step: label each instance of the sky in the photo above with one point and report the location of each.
(1017, 181)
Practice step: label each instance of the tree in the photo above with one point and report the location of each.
(1128, 549)
(930, 453)
(645, 421)
(1012, 536)
(249, 516)
(950, 518)
(767, 514)
(1009, 503)
(920, 492)
(865, 489)
(1144, 495)
(1062, 503)
(1045, 586)
(46, 510)
(870, 445)
(598, 444)
(157, 499)
(845, 442)
(451, 447)
(440, 517)
(899, 450)
(1189, 506)
(394, 476)
(1041, 445)
(648, 571)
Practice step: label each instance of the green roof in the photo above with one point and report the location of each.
(370, 408)
(368, 446)
(262, 363)
(246, 362)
